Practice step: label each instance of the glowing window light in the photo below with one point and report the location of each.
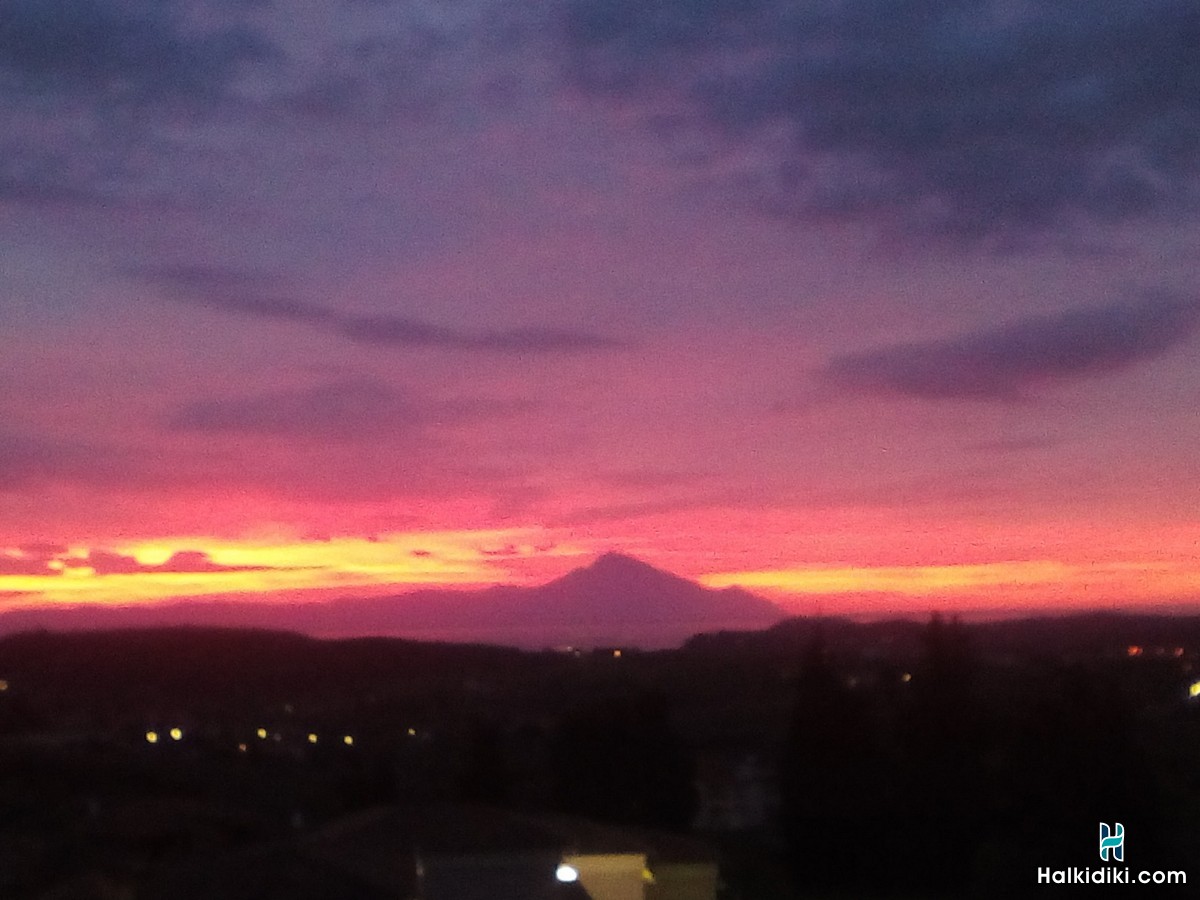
(262, 734)
(348, 740)
(312, 738)
(176, 734)
(151, 737)
(566, 874)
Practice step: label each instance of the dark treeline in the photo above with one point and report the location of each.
(958, 778)
(824, 758)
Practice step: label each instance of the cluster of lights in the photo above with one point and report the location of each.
(1138, 650)
(312, 737)
(175, 734)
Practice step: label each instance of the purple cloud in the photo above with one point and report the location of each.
(339, 411)
(106, 562)
(247, 295)
(970, 116)
(1010, 362)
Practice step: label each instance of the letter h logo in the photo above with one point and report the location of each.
(1112, 842)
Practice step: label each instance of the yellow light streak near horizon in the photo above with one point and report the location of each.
(1139, 579)
(402, 560)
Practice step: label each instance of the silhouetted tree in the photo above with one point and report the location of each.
(832, 795)
(941, 759)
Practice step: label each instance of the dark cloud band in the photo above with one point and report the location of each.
(970, 116)
(1009, 363)
(248, 296)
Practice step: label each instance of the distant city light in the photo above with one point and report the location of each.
(262, 734)
(312, 738)
(1134, 650)
(616, 655)
(3, 685)
(412, 732)
(1178, 651)
(176, 734)
(1194, 689)
(348, 740)
(151, 737)
(566, 874)
(906, 677)
(242, 748)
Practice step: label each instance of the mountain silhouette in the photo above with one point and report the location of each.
(618, 590)
(617, 600)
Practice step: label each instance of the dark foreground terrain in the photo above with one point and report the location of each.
(815, 759)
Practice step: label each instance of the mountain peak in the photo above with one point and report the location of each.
(617, 571)
(615, 562)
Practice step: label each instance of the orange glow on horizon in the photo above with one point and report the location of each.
(853, 560)
(1014, 584)
(912, 580)
(287, 567)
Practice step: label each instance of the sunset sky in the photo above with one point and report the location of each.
(870, 306)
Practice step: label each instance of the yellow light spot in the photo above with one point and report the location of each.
(176, 734)
(412, 732)
(151, 737)
(312, 738)
(262, 734)
(1194, 689)
(348, 740)
(916, 580)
